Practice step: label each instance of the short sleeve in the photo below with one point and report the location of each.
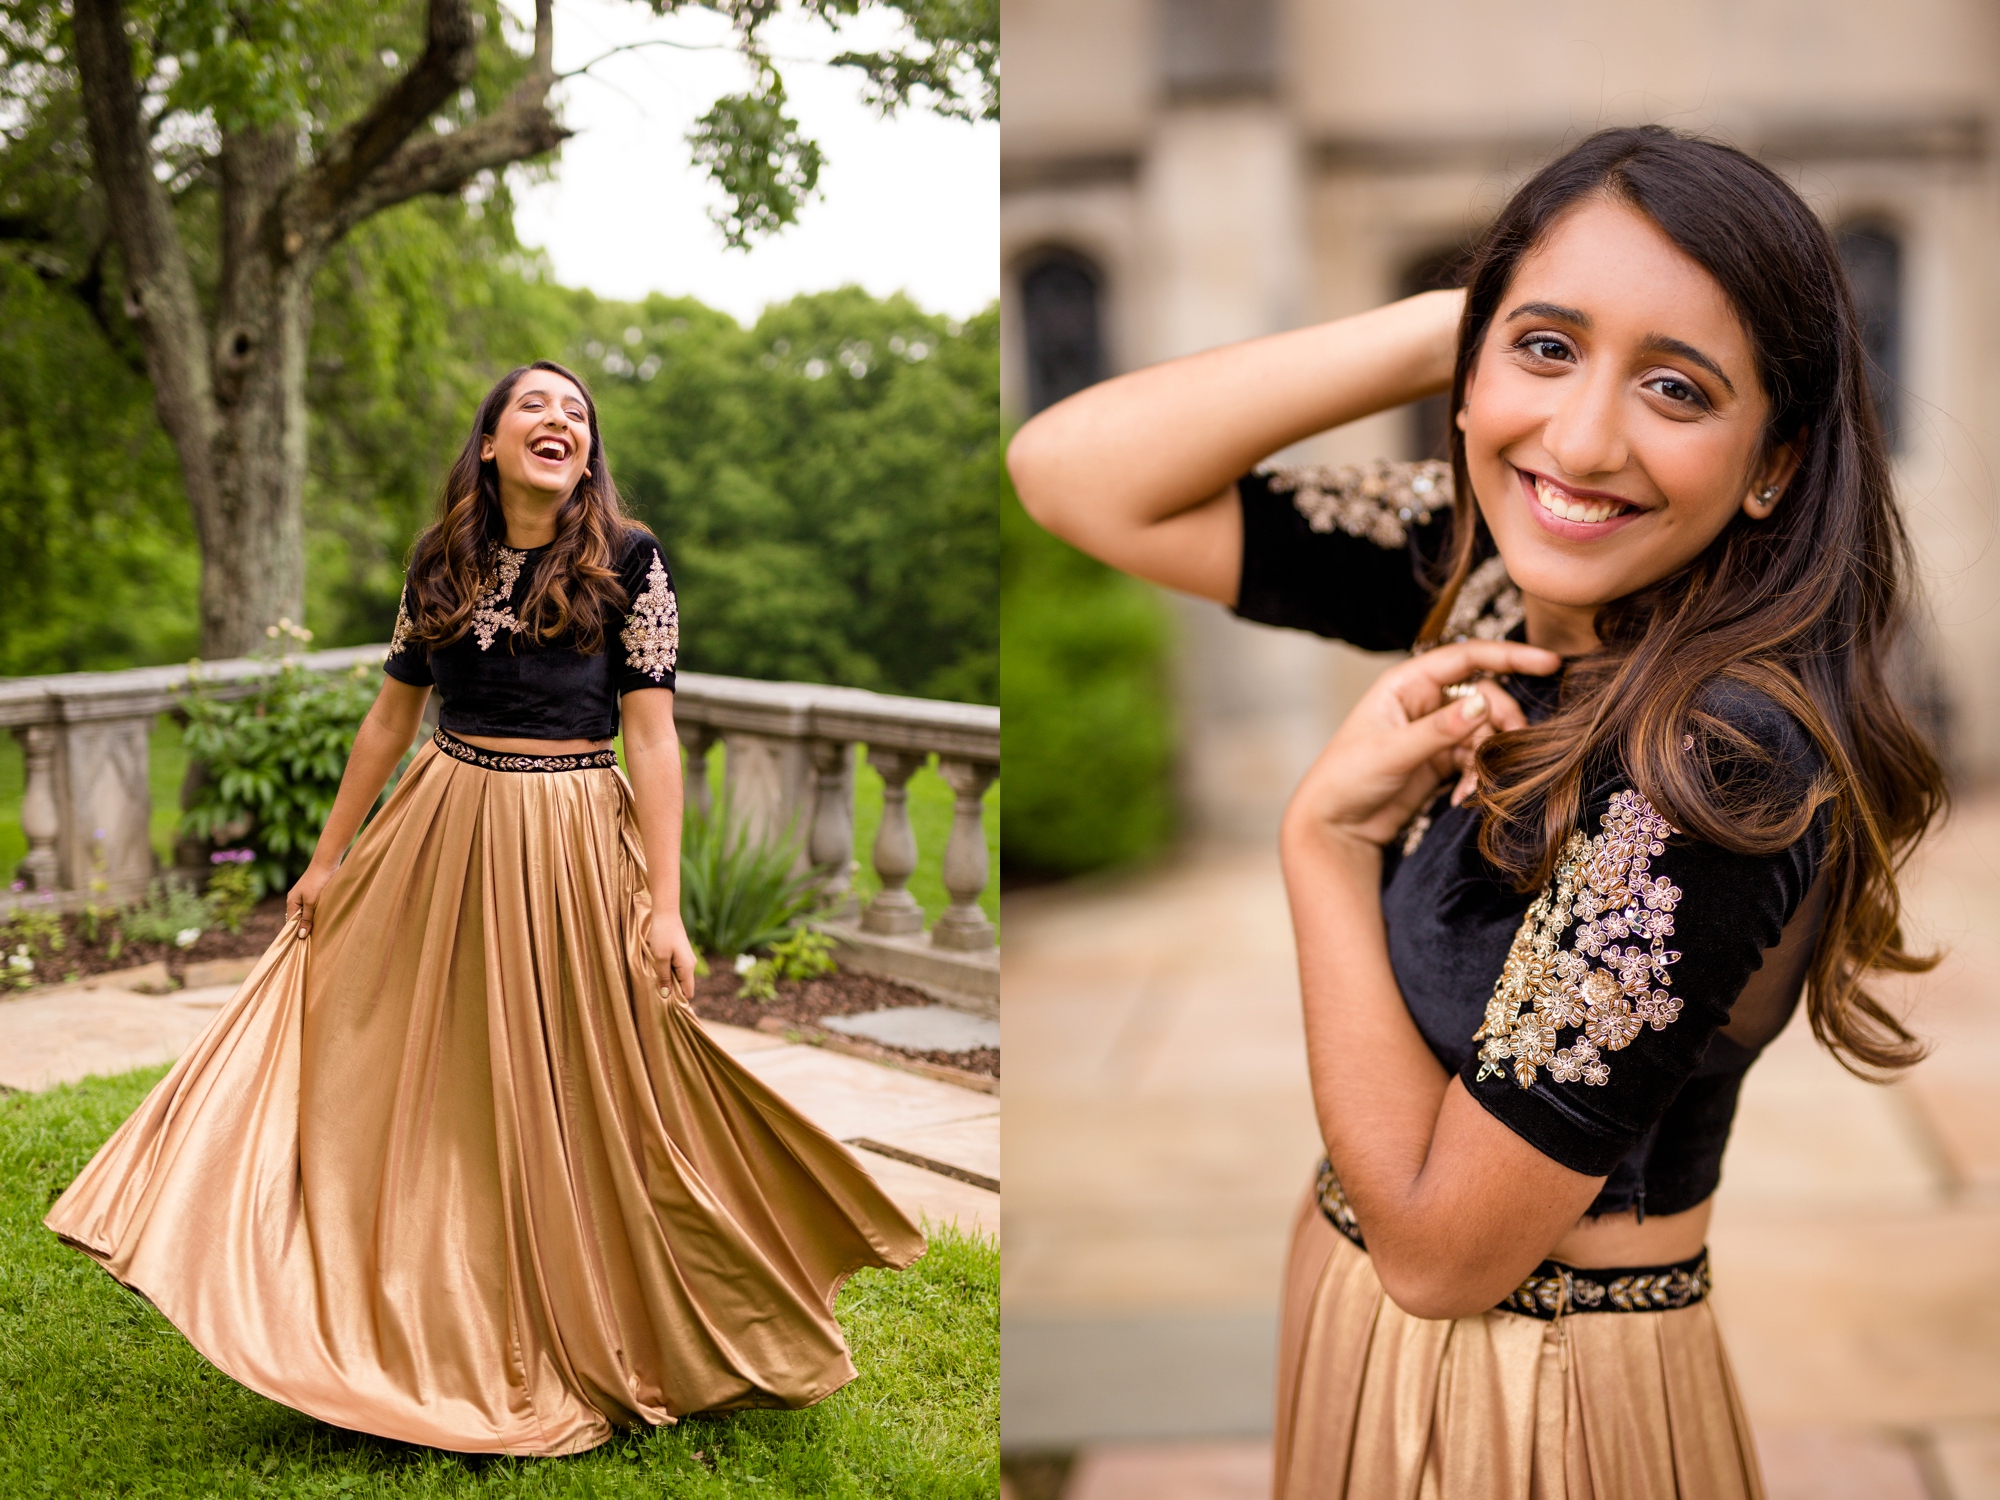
(1342, 551)
(1630, 958)
(649, 639)
(409, 659)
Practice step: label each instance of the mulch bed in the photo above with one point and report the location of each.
(80, 958)
(802, 1002)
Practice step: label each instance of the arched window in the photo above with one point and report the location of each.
(1063, 322)
(1872, 255)
(1430, 418)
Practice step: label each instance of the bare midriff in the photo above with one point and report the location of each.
(1621, 1240)
(533, 747)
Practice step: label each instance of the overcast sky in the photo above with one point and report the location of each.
(911, 203)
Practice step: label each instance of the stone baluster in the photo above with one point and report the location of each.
(696, 739)
(39, 818)
(894, 910)
(964, 926)
(832, 849)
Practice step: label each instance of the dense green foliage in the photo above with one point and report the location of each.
(1086, 714)
(100, 1396)
(739, 891)
(272, 764)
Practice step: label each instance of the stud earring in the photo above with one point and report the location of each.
(1768, 493)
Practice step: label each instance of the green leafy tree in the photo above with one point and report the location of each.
(185, 169)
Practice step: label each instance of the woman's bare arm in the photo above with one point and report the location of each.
(1457, 1207)
(1141, 471)
(653, 764)
(379, 744)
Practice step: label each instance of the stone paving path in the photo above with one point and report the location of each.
(76, 1031)
(1159, 1135)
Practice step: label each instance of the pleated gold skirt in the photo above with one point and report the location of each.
(1374, 1404)
(450, 1171)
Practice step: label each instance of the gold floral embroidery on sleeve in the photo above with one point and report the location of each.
(495, 610)
(1377, 501)
(1603, 885)
(400, 640)
(652, 633)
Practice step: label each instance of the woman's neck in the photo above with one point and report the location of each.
(531, 516)
(1566, 629)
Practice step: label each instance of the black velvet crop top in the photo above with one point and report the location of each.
(495, 680)
(1608, 1019)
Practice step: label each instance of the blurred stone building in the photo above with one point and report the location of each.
(1180, 173)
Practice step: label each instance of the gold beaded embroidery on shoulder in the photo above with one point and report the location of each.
(652, 633)
(400, 640)
(1378, 501)
(495, 610)
(1488, 604)
(1603, 885)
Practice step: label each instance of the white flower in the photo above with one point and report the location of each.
(185, 938)
(745, 963)
(19, 961)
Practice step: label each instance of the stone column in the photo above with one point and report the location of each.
(696, 740)
(894, 910)
(964, 926)
(104, 799)
(832, 846)
(770, 783)
(39, 819)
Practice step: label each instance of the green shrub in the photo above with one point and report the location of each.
(169, 913)
(29, 937)
(739, 893)
(1086, 723)
(806, 954)
(272, 763)
(232, 889)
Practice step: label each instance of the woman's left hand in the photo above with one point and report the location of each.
(1405, 736)
(673, 954)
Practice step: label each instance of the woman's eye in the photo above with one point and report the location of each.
(1679, 391)
(1541, 346)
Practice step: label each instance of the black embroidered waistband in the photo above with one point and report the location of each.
(508, 760)
(1553, 1289)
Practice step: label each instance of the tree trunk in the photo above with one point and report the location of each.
(233, 403)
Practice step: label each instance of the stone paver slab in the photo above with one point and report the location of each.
(58, 1039)
(1172, 1471)
(922, 1028)
(943, 1200)
(847, 1096)
(737, 1040)
(971, 1144)
(1852, 1321)
(1829, 1464)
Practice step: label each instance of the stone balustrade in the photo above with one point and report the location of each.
(789, 748)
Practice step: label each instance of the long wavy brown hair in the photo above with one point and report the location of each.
(455, 559)
(1803, 606)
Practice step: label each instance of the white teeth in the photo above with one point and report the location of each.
(1559, 502)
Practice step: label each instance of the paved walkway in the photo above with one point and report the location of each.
(107, 1026)
(1159, 1134)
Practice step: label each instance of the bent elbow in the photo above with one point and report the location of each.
(1437, 1291)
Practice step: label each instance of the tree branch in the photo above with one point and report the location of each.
(383, 160)
(446, 65)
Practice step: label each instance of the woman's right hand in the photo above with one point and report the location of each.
(304, 896)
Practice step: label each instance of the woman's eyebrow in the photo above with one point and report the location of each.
(1692, 355)
(1551, 310)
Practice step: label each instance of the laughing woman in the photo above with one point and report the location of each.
(1559, 877)
(457, 1165)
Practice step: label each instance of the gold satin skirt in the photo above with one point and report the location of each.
(1374, 1404)
(450, 1171)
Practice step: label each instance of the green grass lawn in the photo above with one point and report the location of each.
(99, 1396)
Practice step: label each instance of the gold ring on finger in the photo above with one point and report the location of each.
(1463, 689)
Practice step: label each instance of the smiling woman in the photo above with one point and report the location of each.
(457, 1165)
(1562, 875)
